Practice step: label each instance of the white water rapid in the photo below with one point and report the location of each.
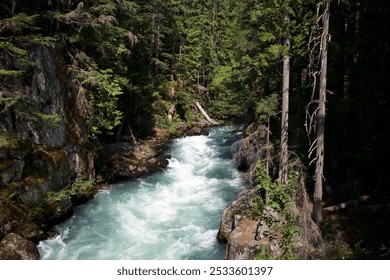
(172, 214)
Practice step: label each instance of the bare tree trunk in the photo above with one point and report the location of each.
(346, 61)
(283, 168)
(357, 30)
(268, 145)
(317, 211)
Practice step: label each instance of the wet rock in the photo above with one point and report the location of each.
(197, 130)
(51, 234)
(32, 232)
(13, 245)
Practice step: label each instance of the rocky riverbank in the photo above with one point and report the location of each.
(267, 220)
(23, 223)
(47, 164)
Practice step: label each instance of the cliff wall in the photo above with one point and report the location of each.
(43, 137)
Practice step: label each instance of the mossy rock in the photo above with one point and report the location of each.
(28, 191)
(50, 164)
(15, 218)
(57, 157)
(9, 140)
(22, 247)
(4, 165)
(14, 146)
(11, 217)
(8, 253)
(52, 212)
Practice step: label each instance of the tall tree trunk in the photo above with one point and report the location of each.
(357, 30)
(346, 60)
(283, 169)
(317, 211)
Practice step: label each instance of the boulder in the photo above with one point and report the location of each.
(53, 212)
(244, 236)
(123, 161)
(241, 244)
(16, 247)
(230, 216)
(15, 218)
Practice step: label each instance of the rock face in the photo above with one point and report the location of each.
(43, 149)
(238, 230)
(122, 161)
(247, 238)
(233, 214)
(242, 244)
(15, 218)
(282, 232)
(43, 137)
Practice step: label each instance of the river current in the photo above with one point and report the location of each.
(172, 214)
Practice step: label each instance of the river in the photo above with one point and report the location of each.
(172, 214)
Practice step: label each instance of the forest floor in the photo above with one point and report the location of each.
(359, 232)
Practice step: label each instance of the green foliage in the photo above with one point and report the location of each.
(257, 210)
(279, 198)
(10, 73)
(267, 107)
(40, 40)
(9, 140)
(79, 186)
(19, 23)
(104, 90)
(49, 119)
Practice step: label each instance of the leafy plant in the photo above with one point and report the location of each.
(79, 186)
(279, 198)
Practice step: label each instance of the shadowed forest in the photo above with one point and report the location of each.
(308, 79)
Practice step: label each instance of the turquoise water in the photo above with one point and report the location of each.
(172, 214)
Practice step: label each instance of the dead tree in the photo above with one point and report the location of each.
(315, 121)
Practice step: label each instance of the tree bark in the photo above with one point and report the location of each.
(317, 209)
(283, 168)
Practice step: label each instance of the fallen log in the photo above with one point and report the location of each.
(210, 120)
(346, 204)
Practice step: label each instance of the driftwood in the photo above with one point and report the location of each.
(346, 204)
(204, 113)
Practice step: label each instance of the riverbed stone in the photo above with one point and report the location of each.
(13, 245)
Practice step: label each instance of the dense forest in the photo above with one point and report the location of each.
(312, 73)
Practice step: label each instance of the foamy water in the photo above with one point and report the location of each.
(172, 214)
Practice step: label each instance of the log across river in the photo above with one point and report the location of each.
(171, 214)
